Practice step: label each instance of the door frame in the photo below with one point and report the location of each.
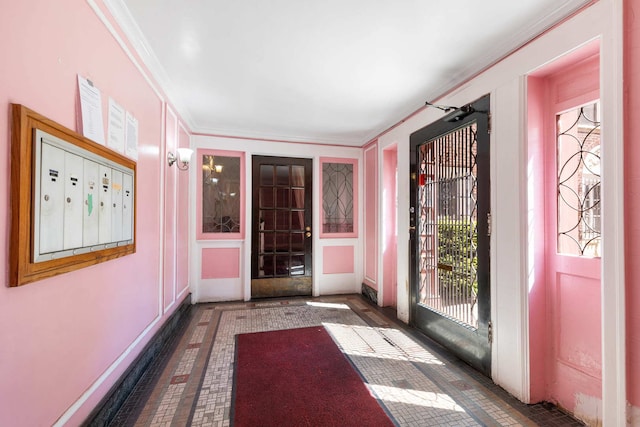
(614, 376)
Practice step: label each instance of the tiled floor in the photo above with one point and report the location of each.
(415, 380)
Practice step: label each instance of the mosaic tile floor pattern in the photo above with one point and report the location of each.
(415, 381)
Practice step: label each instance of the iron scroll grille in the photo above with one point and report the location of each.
(447, 225)
(578, 169)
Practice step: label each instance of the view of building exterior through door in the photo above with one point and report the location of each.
(450, 245)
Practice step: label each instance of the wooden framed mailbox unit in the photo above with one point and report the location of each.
(72, 200)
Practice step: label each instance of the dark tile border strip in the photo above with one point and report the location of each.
(142, 409)
(191, 395)
(105, 412)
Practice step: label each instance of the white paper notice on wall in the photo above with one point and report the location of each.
(116, 131)
(91, 110)
(131, 135)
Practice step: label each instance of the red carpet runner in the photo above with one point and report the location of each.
(299, 377)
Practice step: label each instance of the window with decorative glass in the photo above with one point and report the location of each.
(579, 205)
(339, 208)
(221, 189)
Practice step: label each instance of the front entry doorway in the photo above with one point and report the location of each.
(450, 233)
(281, 244)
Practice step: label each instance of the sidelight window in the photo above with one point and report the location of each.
(578, 171)
(221, 190)
(339, 186)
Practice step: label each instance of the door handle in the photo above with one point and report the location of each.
(307, 234)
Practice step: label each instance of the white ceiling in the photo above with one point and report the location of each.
(331, 71)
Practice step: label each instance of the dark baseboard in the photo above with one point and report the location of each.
(369, 293)
(109, 406)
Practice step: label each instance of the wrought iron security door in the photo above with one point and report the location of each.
(450, 233)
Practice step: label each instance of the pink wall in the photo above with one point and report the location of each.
(338, 259)
(182, 220)
(371, 215)
(60, 335)
(632, 195)
(170, 180)
(220, 263)
(389, 247)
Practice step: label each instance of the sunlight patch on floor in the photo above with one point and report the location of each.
(415, 397)
(328, 305)
(382, 343)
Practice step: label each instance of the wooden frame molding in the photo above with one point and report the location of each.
(22, 268)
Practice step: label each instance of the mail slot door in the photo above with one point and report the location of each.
(116, 205)
(127, 207)
(73, 189)
(51, 198)
(104, 206)
(90, 211)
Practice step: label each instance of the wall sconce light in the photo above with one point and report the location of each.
(183, 158)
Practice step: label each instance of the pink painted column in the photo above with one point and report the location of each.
(538, 334)
(632, 198)
(371, 215)
(182, 219)
(389, 207)
(171, 177)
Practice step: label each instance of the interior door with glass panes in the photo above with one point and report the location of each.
(281, 248)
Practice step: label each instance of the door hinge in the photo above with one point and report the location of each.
(489, 224)
(490, 332)
(489, 123)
